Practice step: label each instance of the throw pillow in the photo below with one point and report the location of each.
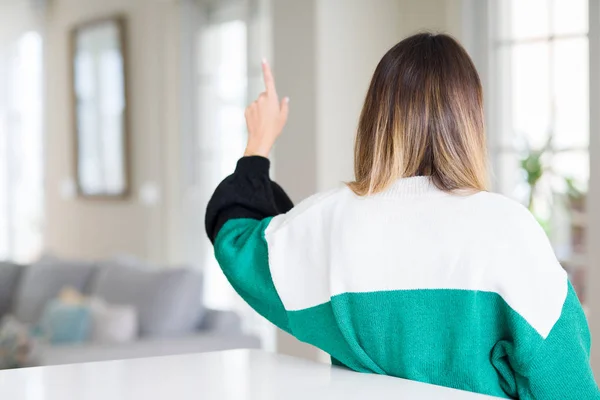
(113, 323)
(17, 347)
(66, 322)
(168, 300)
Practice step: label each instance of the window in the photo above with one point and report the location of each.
(21, 150)
(229, 42)
(223, 82)
(228, 39)
(539, 140)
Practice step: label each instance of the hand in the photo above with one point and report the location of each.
(265, 117)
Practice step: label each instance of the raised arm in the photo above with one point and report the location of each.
(236, 218)
(243, 205)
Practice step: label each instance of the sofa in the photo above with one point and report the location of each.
(170, 315)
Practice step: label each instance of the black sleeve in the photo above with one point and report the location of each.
(247, 193)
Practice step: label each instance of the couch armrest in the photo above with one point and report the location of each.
(223, 322)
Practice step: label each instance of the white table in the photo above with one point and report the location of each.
(229, 375)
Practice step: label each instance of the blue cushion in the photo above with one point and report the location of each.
(64, 323)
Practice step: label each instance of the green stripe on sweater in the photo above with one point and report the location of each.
(465, 339)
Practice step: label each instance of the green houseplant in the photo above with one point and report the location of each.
(533, 163)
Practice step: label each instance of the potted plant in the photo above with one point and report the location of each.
(533, 164)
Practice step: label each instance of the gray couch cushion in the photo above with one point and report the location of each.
(221, 322)
(9, 278)
(168, 301)
(43, 281)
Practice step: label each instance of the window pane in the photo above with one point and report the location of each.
(231, 127)
(223, 59)
(571, 113)
(526, 19)
(530, 92)
(572, 164)
(569, 16)
(223, 87)
(21, 150)
(508, 177)
(232, 68)
(222, 96)
(4, 183)
(542, 89)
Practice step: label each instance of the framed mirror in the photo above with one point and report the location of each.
(99, 89)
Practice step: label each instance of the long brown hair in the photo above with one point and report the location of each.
(423, 116)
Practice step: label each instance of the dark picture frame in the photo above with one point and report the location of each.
(100, 108)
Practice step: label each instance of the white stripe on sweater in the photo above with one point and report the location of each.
(414, 236)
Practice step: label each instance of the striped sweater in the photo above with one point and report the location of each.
(462, 291)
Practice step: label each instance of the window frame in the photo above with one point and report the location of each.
(489, 13)
(481, 25)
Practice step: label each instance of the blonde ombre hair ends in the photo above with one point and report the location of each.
(423, 116)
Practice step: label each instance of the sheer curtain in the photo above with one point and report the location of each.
(222, 88)
(21, 147)
(230, 38)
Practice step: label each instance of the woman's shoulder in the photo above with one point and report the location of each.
(314, 207)
(492, 199)
(502, 224)
(519, 259)
(495, 208)
(507, 232)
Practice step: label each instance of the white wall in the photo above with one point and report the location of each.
(295, 63)
(352, 36)
(18, 17)
(98, 228)
(324, 54)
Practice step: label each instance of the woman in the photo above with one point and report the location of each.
(413, 270)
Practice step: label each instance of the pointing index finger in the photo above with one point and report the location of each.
(268, 76)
